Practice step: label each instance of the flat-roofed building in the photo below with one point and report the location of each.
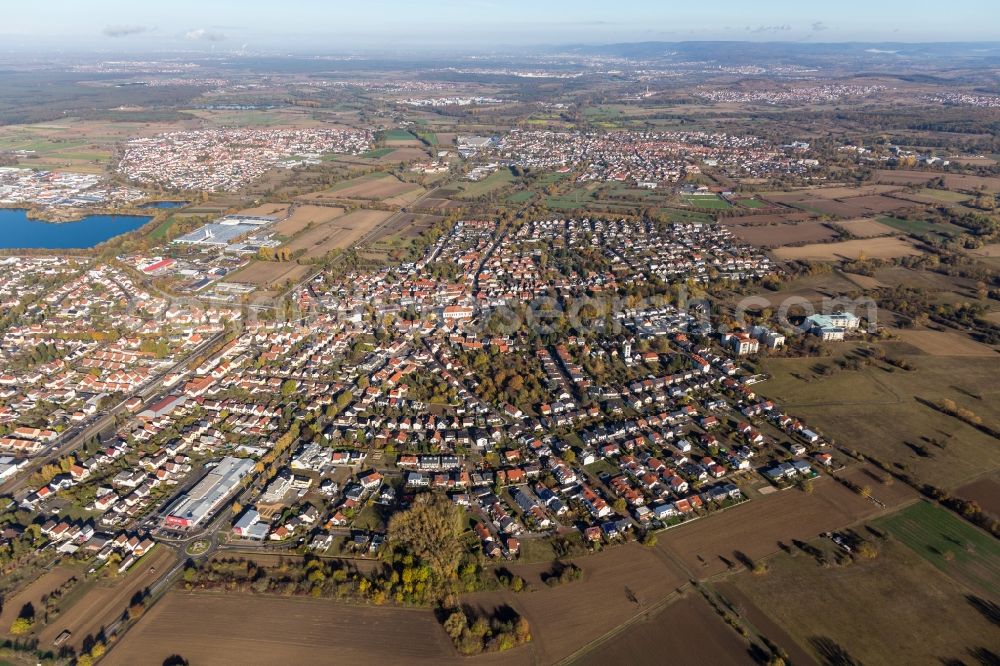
(208, 494)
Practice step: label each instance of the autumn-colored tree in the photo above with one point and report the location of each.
(429, 530)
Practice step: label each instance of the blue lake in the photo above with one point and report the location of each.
(165, 204)
(17, 231)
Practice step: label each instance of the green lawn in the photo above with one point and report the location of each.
(752, 203)
(370, 518)
(602, 465)
(955, 547)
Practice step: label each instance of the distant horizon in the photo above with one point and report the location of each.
(554, 48)
(320, 26)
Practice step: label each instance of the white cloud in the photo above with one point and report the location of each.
(201, 34)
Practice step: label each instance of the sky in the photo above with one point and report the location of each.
(337, 26)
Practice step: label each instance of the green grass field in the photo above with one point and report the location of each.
(495, 181)
(707, 202)
(430, 137)
(919, 226)
(398, 135)
(161, 231)
(573, 199)
(958, 549)
(551, 177)
(378, 152)
(944, 196)
(752, 203)
(677, 215)
(520, 197)
(344, 184)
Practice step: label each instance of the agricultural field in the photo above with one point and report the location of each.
(403, 154)
(881, 611)
(162, 230)
(755, 529)
(919, 226)
(765, 219)
(337, 234)
(813, 288)
(245, 629)
(32, 594)
(106, 600)
(72, 144)
(776, 235)
(992, 250)
(955, 547)
(396, 135)
(985, 492)
(267, 274)
(377, 152)
(864, 227)
(852, 406)
(306, 216)
(563, 619)
(495, 181)
(375, 187)
(846, 202)
(520, 197)
(944, 343)
(436, 204)
(878, 248)
(575, 198)
(405, 227)
(952, 181)
(847, 192)
(929, 195)
(687, 631)
(285, 117)
(278, 210)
